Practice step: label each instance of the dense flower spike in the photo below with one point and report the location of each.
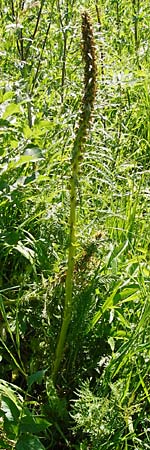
(90, 71)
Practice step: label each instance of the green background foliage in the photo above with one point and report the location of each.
(101, 396)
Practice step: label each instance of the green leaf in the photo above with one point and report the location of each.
(41, 128)
(2, 151)
(11, 414)
(33, 424)
(8, 95)
(123, 320)
(12, 237)
(36, 377)
(4, 315)
(29, 179)
(27, 132)
(29, 442)
(119, 295)
(111, 342)
(10, 409)
(11, 109)
(126, 293)
(30, 156)
(9, 390)
(12, 357)
(4, 123)
(108, 304)
(25, 251)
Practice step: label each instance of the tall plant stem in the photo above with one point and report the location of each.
(35, 29)
(98, 13)
(102, 55)
(13, 9)
(42, 50)
(136, 9)
(69, 284)
(64, 26)
(118, 28)
(64, 66)
(81, 131)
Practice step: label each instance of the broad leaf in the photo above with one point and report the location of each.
(10, 110)
(36, 377)
(29, 442)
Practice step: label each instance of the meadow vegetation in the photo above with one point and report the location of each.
(87, 388)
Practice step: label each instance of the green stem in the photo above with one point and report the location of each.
(69, 278)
